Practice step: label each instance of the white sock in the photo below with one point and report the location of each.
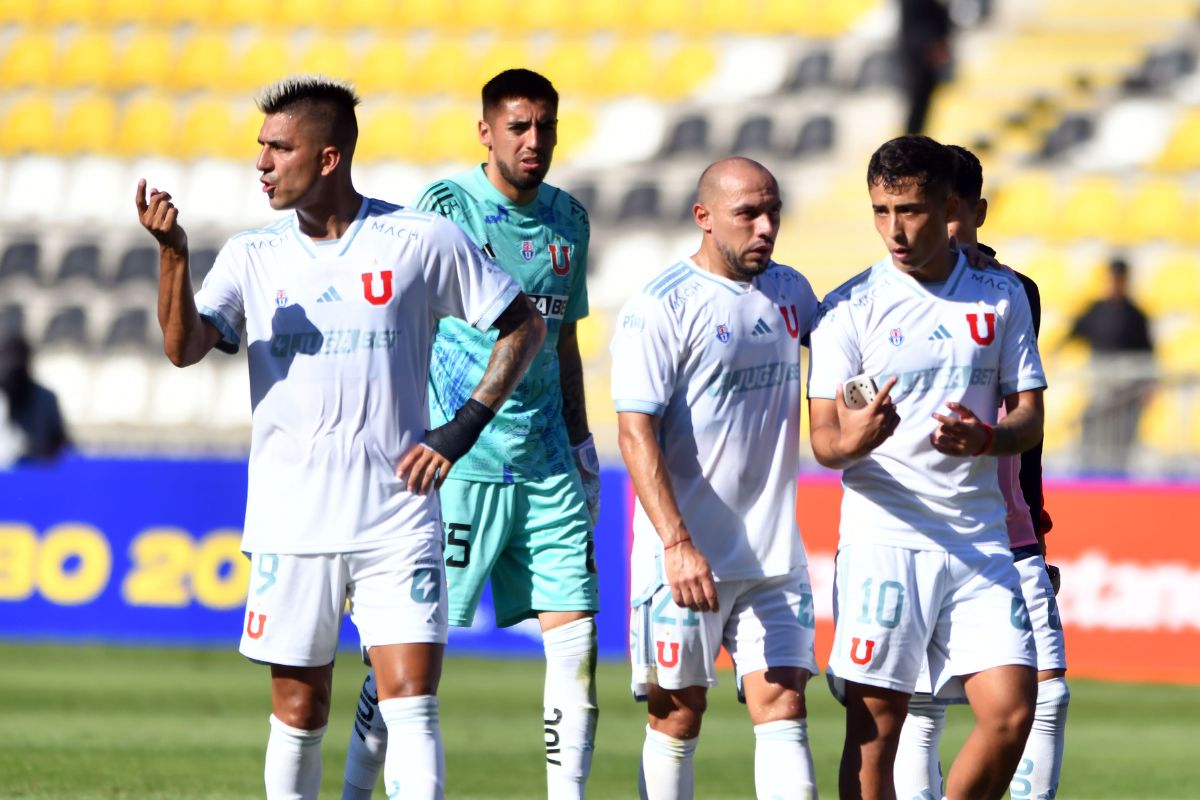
(668, 767)
(917, 773)
(783, 765)
(293, 764)
(569, 707)
(368, 744)
(1038, 773)
(415, 767)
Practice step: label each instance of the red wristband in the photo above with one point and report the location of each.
(676, 543)
(989, 440)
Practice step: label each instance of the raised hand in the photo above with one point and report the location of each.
(864, 429)
(160, 217)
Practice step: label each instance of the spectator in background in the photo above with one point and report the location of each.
(31, 426)
(1122, 351)
(925, 55)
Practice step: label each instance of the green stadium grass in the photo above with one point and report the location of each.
(106, 722)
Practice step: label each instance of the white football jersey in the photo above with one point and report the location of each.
(968, 340)
(338, 335)
(719, 362)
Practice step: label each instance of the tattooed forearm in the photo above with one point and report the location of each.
(522, 332)
(570, 370)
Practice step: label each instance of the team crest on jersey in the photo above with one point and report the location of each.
(527, 250)
(565, 266)
(281, 297)
(723, 333)
(989, 333)
(791, 319)
(896, 337)
(377, 298)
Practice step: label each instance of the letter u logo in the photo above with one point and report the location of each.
(989, 320)
(662, 658)
(792, 320)
(252, 631)
(368, 279)
(566, 259)
(865, 658)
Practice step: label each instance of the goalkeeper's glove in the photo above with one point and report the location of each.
(588, 464)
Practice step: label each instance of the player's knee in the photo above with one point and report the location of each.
(677, 714)
(302, 709)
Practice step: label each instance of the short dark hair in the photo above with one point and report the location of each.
(328, 101)
(517, 83)
(913, 158)
(968, 174)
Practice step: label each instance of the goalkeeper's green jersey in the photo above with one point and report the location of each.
(543, 246)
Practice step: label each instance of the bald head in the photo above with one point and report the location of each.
(731, 174)
(737, 207)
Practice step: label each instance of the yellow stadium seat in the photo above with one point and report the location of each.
(1182, 151)
(570, 64)
(594, 333)
(423, 15)
(386, 66)
(1174, 286)
(727, 16)
(245, 12)
(1157, 211)
(147, 127)
(1091, 210)
(203, 62)
(626, 68)
(687, 66)
(389, 134)
(552, 16)
(470, 16)
(575, 128)
(602, 16)
(142, 12)
(329, 55)
(22, 12)
(208, 129)
(1023, 206)
(193, 12)
(145, 61)
(1178, 351)
(89, 126)
(29, 60)
(65, 12)
(305, 13)
(1065, 285)
(29, 126)
(667, 16)
(450, 135)
(378, 15)
(501, 55)
(267, 58)
(446, 67)
(87, 61)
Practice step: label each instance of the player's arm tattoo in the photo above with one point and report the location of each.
(522, 331)
(570, 372)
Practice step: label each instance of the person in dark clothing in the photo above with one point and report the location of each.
(31, 426)
(1118, 333)
(924, 51)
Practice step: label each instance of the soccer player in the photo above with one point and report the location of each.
(337, 304)
(520, 506)
(923, 568)
(917, 772)
(706, 382)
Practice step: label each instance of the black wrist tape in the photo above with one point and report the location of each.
(457, 436)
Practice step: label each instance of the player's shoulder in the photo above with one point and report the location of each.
(789, 279)
(998, 282)
(563, 201)
(271, 236)
(446, 196)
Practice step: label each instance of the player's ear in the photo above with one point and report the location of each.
(981, 209)
(485, 133)
(702, 216)
(331, 157)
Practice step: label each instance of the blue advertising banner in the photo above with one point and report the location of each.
(148, 551)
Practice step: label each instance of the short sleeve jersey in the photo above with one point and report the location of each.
(968, 340)
(543, 246)
(338, 336)
(718, 362)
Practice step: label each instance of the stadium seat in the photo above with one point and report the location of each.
(86, 62)
(1182, 151)
(667, 16)
(130, 329)
(329, 55)
(12, 319)
(625, 69)
(21, 261)
(502, 54)
(70, 12)
(1023, 205)
(1092, 209)
(119, 390)
(193, 12)
(29, 61)
(376, 15)
(303, 13)
(1174, 286)
(685, 67)
(80, 264)
(878, 70)
(415, 15)
(200, 263)
(640, 204)
(24, 14)
(591, 17)
(816, 136)
(570, 64)
(140, 12)
(33, 192)
(203, 63)
(208, 129)
(67, 328)
(267, 58)
(544, 16)
(1178, 352)
(384, 68)
(391, 133)
(587, 195)
(446, 67)
(451, 135)
(146, 61)
(755, 135)
(91, 177)
(726, 17)
(689, 135)
(813, 70)
(138, 265)
(148, 126)
(245, 12)
(467, 17)
(89, 126)
(1156, 211)
(29, 126)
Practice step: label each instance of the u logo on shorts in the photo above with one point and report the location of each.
(251, 631)
(863, 659)
(662, 659)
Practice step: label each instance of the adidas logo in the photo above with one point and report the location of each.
(760, 328)
(330, 296)
(940, 334)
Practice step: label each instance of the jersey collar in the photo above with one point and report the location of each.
(310, 247)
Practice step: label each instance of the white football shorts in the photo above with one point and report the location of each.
(295, 603)
(763, 623)
(894, 608)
